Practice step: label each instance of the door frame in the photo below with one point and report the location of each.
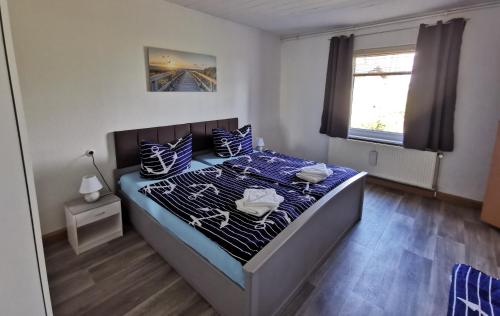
(23, 141)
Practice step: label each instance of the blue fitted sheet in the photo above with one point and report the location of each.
(212, 159)
(130, 184)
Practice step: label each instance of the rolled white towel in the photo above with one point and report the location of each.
(262, 197)
(252, 210)
(311, 177)
(315, 173)
(258, 202)
(317, 169)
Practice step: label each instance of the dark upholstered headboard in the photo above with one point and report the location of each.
(127, 142)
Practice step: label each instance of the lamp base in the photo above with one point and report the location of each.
(91, 197)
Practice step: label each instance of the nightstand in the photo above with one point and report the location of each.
(92, 224)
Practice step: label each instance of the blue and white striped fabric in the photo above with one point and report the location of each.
(206, 199)
(163, 161)
(231, 144)
(473, 293)
(281, 169)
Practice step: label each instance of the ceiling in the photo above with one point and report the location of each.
(288, 17)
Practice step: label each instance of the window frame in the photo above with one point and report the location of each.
(375, 136)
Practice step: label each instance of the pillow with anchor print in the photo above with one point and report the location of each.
(163, 161)
(235, 143)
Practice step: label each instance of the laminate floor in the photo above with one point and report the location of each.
(396, 261)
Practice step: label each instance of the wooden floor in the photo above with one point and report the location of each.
(396, 261)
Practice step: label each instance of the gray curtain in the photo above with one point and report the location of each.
(337, 103)
(430, 108)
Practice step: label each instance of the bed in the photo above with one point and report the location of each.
(264, 284)
(210, 158)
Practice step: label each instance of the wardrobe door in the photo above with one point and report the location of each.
(491, 205)
(20, 282)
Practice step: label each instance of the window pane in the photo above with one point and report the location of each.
(384, 63)
(379, 102)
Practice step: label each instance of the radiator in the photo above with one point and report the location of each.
(395, 163)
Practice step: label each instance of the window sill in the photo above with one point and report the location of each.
(381, 137)
(376, 140)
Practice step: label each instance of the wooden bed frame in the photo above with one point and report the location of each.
(277, 272)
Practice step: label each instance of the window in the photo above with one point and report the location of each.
(380, 88)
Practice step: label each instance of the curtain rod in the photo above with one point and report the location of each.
(391, 30)
(381, 32)
(443, 13)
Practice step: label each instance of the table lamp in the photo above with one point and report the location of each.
(90, 188)
(260, 144)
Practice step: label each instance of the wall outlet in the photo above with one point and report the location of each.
(89, 152)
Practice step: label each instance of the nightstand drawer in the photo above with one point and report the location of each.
(97, 214)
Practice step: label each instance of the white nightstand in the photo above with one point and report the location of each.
(92, 224)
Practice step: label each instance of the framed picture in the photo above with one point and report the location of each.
(172, 70)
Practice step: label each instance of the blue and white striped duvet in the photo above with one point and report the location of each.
(130, 184)
(278, 168)
(473, 293)
(205, 199)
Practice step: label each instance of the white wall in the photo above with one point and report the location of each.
(83, 76)
(464, 171)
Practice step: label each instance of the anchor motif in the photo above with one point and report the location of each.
(473, 307)
(243, 134)
(172, 146)
(198, 194)
(218, 172)
(307, 188)
(246, 171)
(308, 198)
(249, 159)
(291, 170)
(262, 224)
(157, 153)
(169, 186)
(257, 187)
(227, 143)
(339, 169)
(196, 221)
(273, 159)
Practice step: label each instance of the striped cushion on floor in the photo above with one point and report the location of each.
(473, 293)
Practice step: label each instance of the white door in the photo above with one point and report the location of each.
(20, 282)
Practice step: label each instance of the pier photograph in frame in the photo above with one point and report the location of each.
(178, 71)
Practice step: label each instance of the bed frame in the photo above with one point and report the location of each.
(277, 272)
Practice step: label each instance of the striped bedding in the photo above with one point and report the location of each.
(473, 293)
(281, 169)
(206, 199)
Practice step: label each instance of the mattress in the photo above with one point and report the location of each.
(130, 184)
(212, 159)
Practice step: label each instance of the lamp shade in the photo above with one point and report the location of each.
(90, 184)
(260, 142)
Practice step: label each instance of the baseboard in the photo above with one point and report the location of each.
(458, 200)
(399, 186)
(54, 237)
(446, 197)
